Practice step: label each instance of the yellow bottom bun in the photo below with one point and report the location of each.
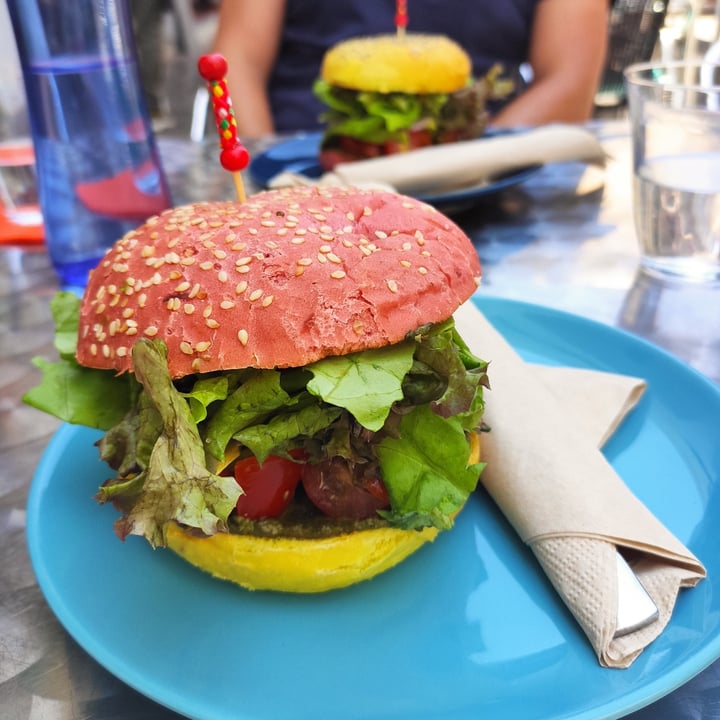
(302, 565)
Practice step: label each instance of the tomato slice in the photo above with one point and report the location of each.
(416, 139)
(332, 487)
(269, 488)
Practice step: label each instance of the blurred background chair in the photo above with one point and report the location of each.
(642, 30)
(171, 35)
(197, 25)
(633, 34)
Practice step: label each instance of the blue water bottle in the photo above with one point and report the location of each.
(98, 169)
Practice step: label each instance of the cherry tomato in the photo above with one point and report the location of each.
(359, 148)
(268, 488)
(449, 136)
(376, 487)
(416, 139)
(330, 485)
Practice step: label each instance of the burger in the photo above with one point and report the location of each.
(391, 93)
(283, 397)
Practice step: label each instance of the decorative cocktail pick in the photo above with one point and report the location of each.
(234, 156)
(401, 17)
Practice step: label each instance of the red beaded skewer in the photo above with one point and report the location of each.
(401, 17)
(234, 156)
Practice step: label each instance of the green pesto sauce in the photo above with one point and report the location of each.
(301, 520)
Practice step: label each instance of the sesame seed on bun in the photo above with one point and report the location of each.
(285, 279)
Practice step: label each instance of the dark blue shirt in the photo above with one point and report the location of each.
(491, 31)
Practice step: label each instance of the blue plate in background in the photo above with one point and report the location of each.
(300, 155)
(466, 628)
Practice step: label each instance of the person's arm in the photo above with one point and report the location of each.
(248, 35)
(567, 54)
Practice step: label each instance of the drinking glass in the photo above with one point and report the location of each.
(98, 167)
(675, 118)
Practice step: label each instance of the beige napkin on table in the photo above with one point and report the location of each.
(546, 473)
(452, 166)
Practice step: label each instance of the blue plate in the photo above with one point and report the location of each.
(300, 155)
(467, 628)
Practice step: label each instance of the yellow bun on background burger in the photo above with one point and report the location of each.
(391, 93)
(413, 63)
(303, 338)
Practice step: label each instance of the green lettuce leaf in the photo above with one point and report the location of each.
(71, 392)
(252, 402)
(127, 446)
(377, 117)
(426, 470)
(397, 111)
(343, 101)
(365, 383)
(65, 309)
(204, 392)
(278, 436)
(175, 485)
(82, 396)
(400, 111)
(370, 129)
(446, 353)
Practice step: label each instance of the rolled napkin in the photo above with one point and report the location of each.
(565, 500)
(605, 398)
(453, 166)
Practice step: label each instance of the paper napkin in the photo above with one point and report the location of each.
(547, 474)
(443, 168)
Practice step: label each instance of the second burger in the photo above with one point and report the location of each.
(390, 93)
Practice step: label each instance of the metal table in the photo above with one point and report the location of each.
(563, 238)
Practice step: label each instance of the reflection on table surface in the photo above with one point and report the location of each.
(564, 238)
